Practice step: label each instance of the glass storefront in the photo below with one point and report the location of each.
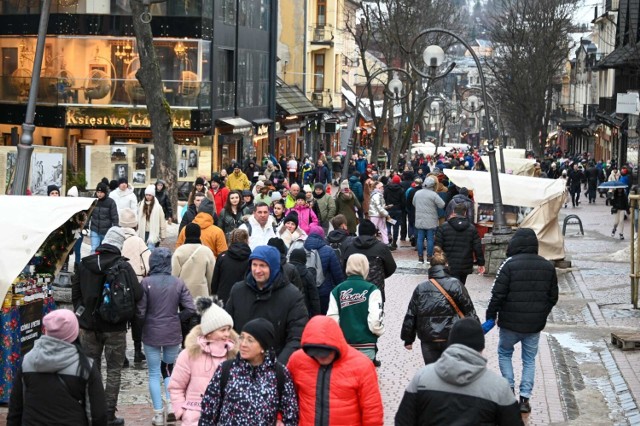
(195, 8)
(100, 71)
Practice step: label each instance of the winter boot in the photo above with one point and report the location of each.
(613, 232)
(138, 355)
(525, 407)
(622, 236)
(112, 420)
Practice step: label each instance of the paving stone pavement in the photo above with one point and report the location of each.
(594, 302)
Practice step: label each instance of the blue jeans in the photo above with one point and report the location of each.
(77, 250)
(529, 342)
(160, 361)
(430, 234)
(96, 240)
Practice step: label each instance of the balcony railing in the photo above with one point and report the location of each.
(322, 33)
(99, 92)
(607, 105)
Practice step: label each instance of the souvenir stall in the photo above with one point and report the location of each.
(38, 233)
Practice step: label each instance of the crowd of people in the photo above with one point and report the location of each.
(274, 295)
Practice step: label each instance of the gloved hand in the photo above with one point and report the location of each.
(488, 325)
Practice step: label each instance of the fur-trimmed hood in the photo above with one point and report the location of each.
(192, 346)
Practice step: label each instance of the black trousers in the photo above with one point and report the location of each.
(431, 351)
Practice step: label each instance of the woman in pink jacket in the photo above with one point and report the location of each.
(206, 347)
(306, 216)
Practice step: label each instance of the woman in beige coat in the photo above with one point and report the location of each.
(194, 263)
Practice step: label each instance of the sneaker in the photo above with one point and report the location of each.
(158, 418)
(621, 236)
(525, 407)
(171, 417)
(420, 260)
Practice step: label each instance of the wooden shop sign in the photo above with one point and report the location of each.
(120, 118)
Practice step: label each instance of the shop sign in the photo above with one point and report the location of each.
(121, 118)
(30, 325)
(262, 130)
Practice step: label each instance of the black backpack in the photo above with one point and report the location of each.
(337, 249)
(116, 304)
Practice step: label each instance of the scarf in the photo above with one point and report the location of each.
(215, 348)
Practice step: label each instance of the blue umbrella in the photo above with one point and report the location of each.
(614, 184)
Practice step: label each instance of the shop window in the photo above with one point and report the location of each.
(242, 78)
(318, 72)
(225, 89)
(229, 12)
(265, 13)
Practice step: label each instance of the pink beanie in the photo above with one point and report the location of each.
(315, 229)
(61, 324)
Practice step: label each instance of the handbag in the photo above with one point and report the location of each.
(447, 296)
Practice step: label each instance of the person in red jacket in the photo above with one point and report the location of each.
(220, 192)
(336, 384)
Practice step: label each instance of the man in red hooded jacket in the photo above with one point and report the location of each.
(336, 384)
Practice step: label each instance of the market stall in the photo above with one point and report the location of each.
(37, 234)
(528, 202)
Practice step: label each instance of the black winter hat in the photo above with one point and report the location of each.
(468, 332)
(192, 234)
(113, 184)
(318, 185)
(52, 188)
(216, 178)
(298, 255)
(301, 196)
(262, 330)
(367, 227)
(199, 181)
(279, 244)
(101, 187)
(123, 180)
(292, 216)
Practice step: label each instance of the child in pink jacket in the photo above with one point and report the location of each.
(206, 347)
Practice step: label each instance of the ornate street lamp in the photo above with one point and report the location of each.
(393, 90)
(433, 57)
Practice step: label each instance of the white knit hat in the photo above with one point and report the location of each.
(128, 218)
(150, 190)
(212, 316)
(72, 192)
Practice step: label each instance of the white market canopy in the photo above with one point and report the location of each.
(25, 223)
(545, 196)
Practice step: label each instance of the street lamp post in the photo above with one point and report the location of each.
(433, 57)
(393, 90)
(25, 147)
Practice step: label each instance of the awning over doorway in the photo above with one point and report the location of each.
(239, 124)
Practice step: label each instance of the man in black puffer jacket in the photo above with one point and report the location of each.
(103, 216)
(459, 240)
(523, 294)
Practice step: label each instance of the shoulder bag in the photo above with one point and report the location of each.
(447, 296)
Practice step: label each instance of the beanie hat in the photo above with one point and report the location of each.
(279, 244)
(301, 196)
(61, 324)
(150, 190)
(367, 227)
(464, 191)
(102, 187)
(216, 178)
(113, 184)
(123, 180)
(247, 193)
(318, 185)
(73, 192)
(262, 330)
(212, 316)
(298, 255)
(292, 216)
(128, 218)
(275, 196)
(395, 179)
(468, 332)
(206, 206)
(115, 237)
(199, 181)
(52, 188)
(344, 185)
(192, 234)
(315, 229)
(357, 264)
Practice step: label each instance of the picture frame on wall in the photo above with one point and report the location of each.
(119, 153)
(153, 172)
(121, 171)
(140, 177)
(141, 158)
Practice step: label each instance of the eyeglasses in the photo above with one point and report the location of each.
(248, 339)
